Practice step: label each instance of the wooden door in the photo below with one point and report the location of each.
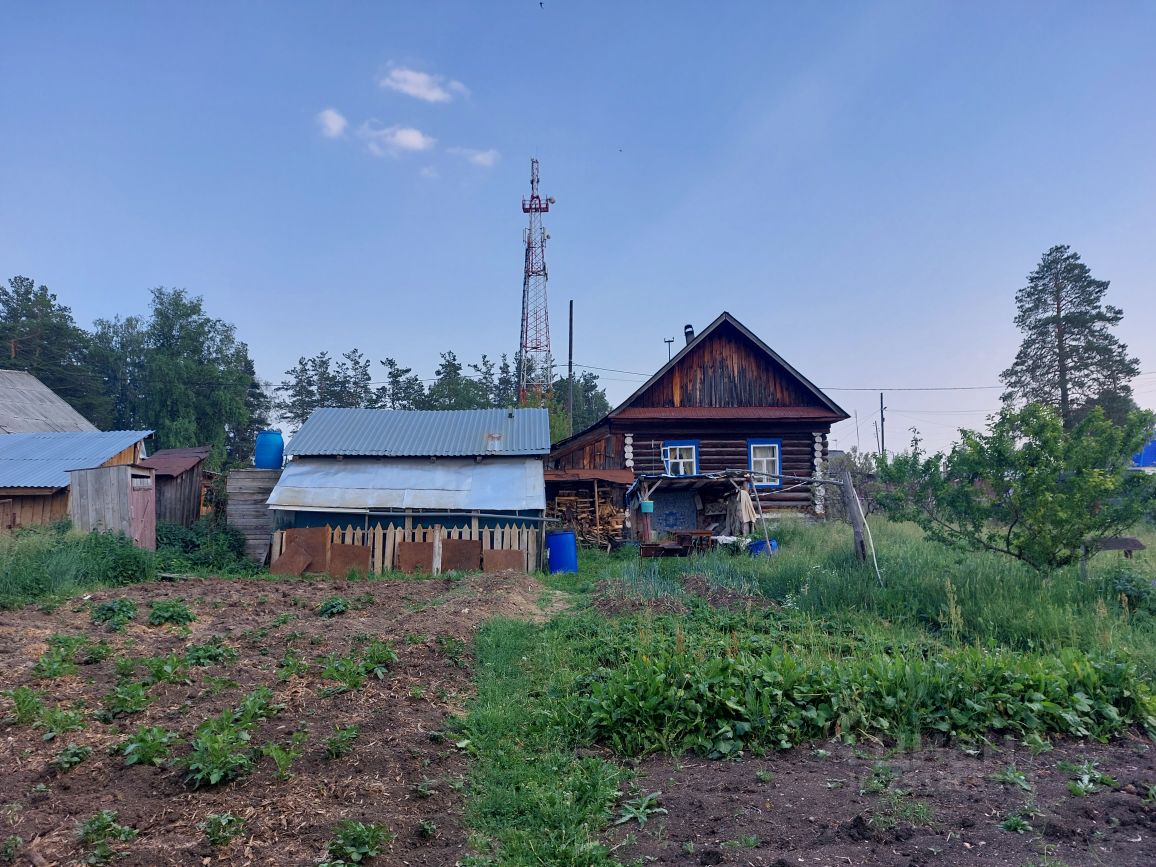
(143, 510)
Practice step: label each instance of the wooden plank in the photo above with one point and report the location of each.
(437, 550)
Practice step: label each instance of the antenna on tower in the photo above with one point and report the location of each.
(535, 363)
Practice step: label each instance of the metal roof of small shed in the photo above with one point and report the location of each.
(173, 462)
(42, 460)
(423, 433)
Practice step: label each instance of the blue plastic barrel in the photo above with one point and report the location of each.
(562, 551)
(270, 451)
(761, 546)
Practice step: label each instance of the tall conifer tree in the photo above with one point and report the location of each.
(1069, 358)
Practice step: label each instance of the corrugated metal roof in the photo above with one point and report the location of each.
(423, 433)
(42, 460)
(27, 405)
(452, 484)
(173, 462)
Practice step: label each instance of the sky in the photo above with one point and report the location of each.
(864, 185)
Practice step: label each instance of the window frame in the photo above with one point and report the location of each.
(666, 444)
(777, 442)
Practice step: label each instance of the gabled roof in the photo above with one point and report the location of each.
(27, 405)
(423, 433)
(726, 318)
(42, 460)
(173, 462)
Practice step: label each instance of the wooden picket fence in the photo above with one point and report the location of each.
(383, 541)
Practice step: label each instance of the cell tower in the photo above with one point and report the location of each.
(535, 363)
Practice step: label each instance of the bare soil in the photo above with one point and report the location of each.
(824, 805)
(403, 772)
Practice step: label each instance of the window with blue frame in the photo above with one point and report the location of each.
(766, 461)
(680, 457)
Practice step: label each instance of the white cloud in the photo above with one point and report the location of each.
(390, 141)
(422, 85)
(487, 159)
(429, 172)
(332, 123)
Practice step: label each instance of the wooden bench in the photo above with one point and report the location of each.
(1127, 544)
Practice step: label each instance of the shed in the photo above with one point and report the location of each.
(1146, 458)
(179, 477)
(418, 489)
(34, 467)
(27, 405)
(119, 498)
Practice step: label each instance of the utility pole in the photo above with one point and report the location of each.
(570, 372)
(535, 363)
(882, 429)
(669, 341)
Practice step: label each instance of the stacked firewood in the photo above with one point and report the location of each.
(595, 523)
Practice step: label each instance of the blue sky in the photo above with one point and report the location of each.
(864, 185)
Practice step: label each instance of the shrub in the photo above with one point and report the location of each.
(112, 558)
(149, 745)
(170, 611)
(207, 546)
(114, 614)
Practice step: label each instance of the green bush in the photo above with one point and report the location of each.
(207, 546)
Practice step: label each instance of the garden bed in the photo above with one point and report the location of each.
(402, 770)
(831, 804)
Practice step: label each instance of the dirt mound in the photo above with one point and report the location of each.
(723, 597)
(614, 600)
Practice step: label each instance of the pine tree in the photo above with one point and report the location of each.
(1069, 359)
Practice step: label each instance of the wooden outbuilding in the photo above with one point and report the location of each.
(725, 402)
(119, 498)
(180, 475)
(34, 468)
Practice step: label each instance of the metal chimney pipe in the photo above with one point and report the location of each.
(688, 330)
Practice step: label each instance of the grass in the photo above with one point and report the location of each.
(532, 800)
(951, 597)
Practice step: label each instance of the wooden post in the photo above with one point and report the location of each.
(597, 519)
(437, 550)
(851, 506)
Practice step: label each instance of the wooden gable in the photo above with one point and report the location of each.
(726, 367)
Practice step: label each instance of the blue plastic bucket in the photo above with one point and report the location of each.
(761, 546)
(269, 453)
(562, 551)
(647, 506)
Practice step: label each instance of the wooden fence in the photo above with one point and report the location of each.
(384, 542)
